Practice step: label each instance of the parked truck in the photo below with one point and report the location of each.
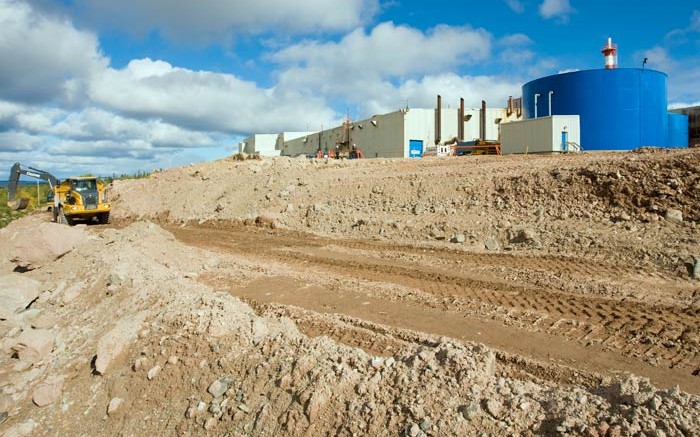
(78, 198)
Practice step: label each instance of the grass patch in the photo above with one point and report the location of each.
(29, 191)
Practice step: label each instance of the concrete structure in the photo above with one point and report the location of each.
(268, 144)
(558, 133)
(693, 114)
(400, 134)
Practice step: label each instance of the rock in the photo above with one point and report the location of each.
(210, 423)
(414, 430)
(492, 244)
(48, 391)
(3, 417)
(524, 235)
(112, 343)
(696, 268)
(21, 430)
(674, 215)
(458, 238)
(219, 386)
(493, 407)
(16, 293)
(6, 402)
(154, 372)
(426, 424)
(114, 405)
(34, 345)
(43, 244)
(289, 208)
(114, 280)
(173, 360)
(45, 321)
(470, 411)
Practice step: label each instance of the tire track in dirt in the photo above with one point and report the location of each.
(649, 332)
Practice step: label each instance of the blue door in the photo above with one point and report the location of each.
(415, 148)
(564, 140)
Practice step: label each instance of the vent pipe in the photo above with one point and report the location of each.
(460, 120)
(438, 120)
(537, 97)
(482, 121)
(550, 102)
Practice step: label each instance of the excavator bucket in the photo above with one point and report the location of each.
(18, 204)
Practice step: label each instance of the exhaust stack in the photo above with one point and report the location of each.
(438, 120)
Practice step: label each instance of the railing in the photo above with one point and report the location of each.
(572, 147)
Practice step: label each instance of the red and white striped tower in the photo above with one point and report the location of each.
(610, 53)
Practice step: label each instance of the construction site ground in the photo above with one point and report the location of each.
(518, 295)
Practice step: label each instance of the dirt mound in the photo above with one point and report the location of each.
(195, 359)
(371, 288)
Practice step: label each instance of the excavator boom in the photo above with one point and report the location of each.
(15, 172)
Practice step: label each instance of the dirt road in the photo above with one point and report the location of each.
(544, 308)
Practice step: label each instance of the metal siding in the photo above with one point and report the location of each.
(678, 130)
(541, 135)
(620, 109)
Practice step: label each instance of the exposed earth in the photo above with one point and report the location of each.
(519, 295)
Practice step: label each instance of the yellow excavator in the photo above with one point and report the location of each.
(80, 198)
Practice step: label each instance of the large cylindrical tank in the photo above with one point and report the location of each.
(620, 109)
(677, 130)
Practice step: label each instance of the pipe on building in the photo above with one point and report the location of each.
(537, 96)
(438, 120)
(460, 121)
(482, 121)
(550, 102)
(510, 105)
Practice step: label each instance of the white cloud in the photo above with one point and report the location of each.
(202, 100)
(516, 6)
(40, 52)
(17, 142)
(206, 20)
(385, 51)
(558, 9)
(364, 69)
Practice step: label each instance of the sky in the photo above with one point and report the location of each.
(105, 87)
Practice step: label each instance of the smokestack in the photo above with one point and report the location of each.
(510, 105)
(610, 53)
(482, 121)
(438, 120)
(460, 120)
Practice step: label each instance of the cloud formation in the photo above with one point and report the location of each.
(556, 9)
(516, 6)
(40, 52)
(207, 20)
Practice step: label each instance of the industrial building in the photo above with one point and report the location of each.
(267, 144)
(603, 109)
(693, 114)
(406, 133)
(619, 108)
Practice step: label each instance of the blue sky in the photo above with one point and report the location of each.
(110, 87)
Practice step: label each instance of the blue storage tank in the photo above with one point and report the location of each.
(677, 130)
(620, 109)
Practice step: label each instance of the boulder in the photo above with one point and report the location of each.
(16, 293)
(30, 247)
(112, 343)
(34, 345)
(48, 391)
(674, 215)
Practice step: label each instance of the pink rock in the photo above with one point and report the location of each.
(48, 391)
(34, 344)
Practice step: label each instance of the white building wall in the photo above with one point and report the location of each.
(539, 135)
(389, 135)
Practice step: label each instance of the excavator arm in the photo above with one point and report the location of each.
(15, 172)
